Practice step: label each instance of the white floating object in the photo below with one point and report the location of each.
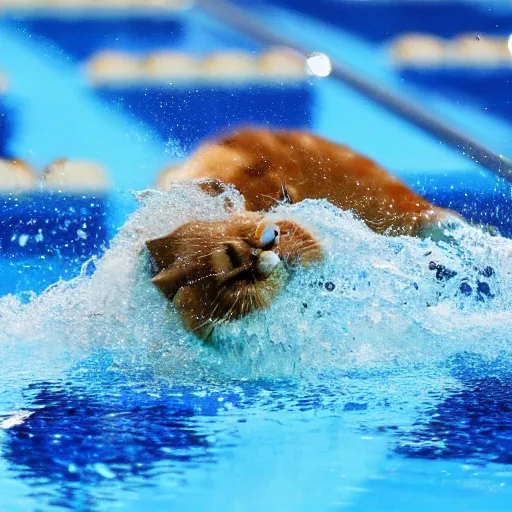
(66, 7)
(168, 65)
(15, 419)
(478, 49)
(16, 176)
(319, 64)
(163, 5)
(75, 176)
(283, 62)
(419, 50)
(65, 3)
(110, 4)
(168, 5)
(98, 4)
(22, 3)
(114, 68)
(503, 48)
(234, 65)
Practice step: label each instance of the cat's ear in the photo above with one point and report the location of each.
(287, 198)
(164, 250)
(172, 268)
(215, 187)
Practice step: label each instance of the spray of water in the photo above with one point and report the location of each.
(374, 301)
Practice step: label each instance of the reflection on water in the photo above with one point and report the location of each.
(100, 435)
(100, 432)
(473, 425)
(76, 439)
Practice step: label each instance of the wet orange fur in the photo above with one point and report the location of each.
(193, 265)
(209, 270)
(267, 165)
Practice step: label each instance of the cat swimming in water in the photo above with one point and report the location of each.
(220, 271)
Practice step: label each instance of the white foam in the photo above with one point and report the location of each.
(372, 302)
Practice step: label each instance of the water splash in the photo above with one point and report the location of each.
(374, 301)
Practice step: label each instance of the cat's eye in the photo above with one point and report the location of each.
(267, 236)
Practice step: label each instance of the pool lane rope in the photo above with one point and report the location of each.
(239, 19)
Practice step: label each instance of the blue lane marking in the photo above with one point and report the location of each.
(58, 115)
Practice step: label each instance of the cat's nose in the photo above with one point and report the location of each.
(266, 235)
(267, 262)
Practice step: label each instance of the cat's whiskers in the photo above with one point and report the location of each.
(216, 299)
(252, 296)
(296, 243)
(245, 302)
(211, 319)
(257, 298)
(229, 314)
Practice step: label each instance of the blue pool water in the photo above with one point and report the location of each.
(370, 384)
(386, 386)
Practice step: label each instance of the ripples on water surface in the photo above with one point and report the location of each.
(365, 368)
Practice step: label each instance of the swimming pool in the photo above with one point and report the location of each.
(364, 399)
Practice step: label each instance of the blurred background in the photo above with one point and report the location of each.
(98, 98)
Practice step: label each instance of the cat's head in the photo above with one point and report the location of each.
(219, 271)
